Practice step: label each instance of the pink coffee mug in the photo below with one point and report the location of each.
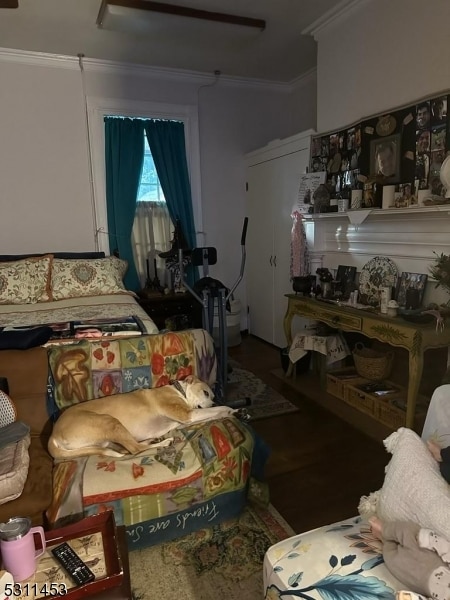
(19, 556)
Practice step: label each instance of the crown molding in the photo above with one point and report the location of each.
(304, 79)
(41, 59)
(109, 67)
(334, 16)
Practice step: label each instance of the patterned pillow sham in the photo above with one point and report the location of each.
(26, 281)
(88, 277)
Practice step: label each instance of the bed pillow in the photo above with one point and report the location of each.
(413, 488)
(95, 277)
(26, 281)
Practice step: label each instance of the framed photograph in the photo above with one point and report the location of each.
(439, 110)
(411, 285)
(385, 158)
(345, 279)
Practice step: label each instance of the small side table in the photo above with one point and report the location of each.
(160, 307)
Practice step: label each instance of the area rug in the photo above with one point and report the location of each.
(221, 563)
(260, 400)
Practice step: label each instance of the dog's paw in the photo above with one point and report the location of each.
(242, 414)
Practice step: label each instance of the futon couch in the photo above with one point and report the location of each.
(200, 479)
(344, 560)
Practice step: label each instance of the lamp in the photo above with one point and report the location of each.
(146, 15)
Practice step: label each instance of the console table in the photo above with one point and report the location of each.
(415, 338)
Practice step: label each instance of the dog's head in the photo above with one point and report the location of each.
(198, 393)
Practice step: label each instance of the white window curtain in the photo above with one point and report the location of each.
(152, 233)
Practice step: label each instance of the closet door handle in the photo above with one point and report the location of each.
(270, 260)
(275, 260)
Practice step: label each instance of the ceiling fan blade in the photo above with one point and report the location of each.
(9, 3)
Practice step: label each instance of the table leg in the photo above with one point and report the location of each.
(415, 376)
(290, 370)
(287, 323)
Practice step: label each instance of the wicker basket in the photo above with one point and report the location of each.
(372, 364)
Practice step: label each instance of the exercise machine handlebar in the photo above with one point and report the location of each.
(243, 257)
(241, 272)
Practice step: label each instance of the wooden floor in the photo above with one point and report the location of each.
(320, 465)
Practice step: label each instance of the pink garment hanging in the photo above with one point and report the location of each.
(300, 264)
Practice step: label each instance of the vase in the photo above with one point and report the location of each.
(303, 285)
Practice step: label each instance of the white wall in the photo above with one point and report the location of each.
(303, 103)
(45, 195)
(383, 54)
(46, 200)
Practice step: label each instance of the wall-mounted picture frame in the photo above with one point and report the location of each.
(407, 282)
(385, 158)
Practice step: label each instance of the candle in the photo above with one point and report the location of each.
(154, 265)
(148, 269)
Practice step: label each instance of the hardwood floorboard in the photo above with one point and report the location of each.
(320, 464)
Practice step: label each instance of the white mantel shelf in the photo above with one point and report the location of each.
(382, 212)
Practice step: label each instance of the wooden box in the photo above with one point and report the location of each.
(367, 401)
(392, 411)
(338, 380)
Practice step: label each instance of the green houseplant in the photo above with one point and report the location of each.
(440, 271)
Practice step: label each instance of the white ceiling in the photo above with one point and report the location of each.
(280, 53)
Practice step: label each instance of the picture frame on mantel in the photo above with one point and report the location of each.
(406, 283)
(385, 158)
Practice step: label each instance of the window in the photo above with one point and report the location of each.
(98, 108)
(150, 189)
(152, 228)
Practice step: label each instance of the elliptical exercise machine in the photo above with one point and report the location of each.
(206, 290)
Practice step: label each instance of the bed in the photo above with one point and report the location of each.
(93, 308)
(52, 289)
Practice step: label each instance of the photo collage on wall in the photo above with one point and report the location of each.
(338, 154)
(403, 149)
(431, 143)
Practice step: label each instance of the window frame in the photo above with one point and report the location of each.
(98, 108)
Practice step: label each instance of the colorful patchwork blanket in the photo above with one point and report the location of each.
(204, 468)
(200, 477)
(94, 369)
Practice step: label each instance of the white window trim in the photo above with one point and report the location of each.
(98, 108)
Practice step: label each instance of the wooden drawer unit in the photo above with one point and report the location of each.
(324, 312)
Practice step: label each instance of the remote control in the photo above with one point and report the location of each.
(78, 570)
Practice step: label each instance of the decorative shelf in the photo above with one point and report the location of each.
(358, 216)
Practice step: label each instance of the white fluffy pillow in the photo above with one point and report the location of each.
(413, 488)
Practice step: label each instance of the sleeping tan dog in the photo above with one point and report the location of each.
(114, 425)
